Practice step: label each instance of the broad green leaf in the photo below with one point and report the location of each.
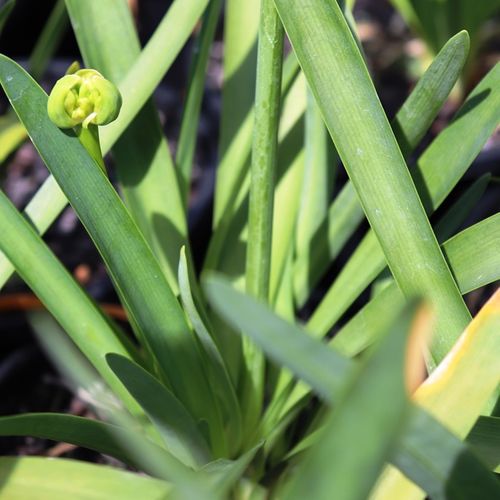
(132, 266)
(438, 170)
(45, 275)
(175, 424)
(337, 75)
(474, 260)
(484, 438)
(458, 388)
(148, 457)
(196, 85)
(352, 445)
(457, 391)
(105, 438)
(59, 479)
(108, 41)
(268, 330)
(215, 364)
(443, 465)
(326, 371)
(409, 125)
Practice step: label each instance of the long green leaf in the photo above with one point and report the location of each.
(410, 124)
(240, 59)
(218, 375)
(59, 479)
(153, 459)
(99, 436)
(474, 260)
(77, 314)
(317, 183)
(364, 140)
(179, 431)
(438, 170)
(484, 438)
(352, 445)
(108, 41)
(326, 371)
(470, 369)
(272, 328)
(131, 263)
(237, 160)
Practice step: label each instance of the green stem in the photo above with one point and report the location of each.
(89, 137)
(264, 148)
(265, 140)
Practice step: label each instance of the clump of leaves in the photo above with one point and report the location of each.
(222, 393)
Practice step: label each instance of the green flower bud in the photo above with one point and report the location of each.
(83, 98)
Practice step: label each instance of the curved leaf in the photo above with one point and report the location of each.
(99, 436)
(132, 266)
(175, 424)
(59, 479)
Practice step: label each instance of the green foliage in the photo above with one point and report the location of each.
(219, 394)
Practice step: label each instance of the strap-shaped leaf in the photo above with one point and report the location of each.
(46, 276)
(99, 436)
(339, 79)
(474, 260)
(108, 42)
(352, 445)
(132, 266)
(326, 371)
(59, 479)
(410, 124)
(484, 438)
(217, 372)
(454, 150)
(458, 389)
(177, 427)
